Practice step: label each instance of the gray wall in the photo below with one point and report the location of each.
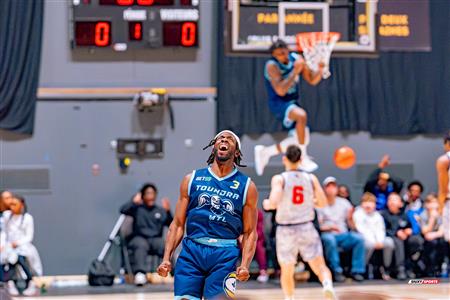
(73, 220)
(62, 67)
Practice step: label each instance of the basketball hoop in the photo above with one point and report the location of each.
(317, 48)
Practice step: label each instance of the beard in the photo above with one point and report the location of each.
(222, 159)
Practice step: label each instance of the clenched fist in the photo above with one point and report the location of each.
(164, 268)
(242, 273)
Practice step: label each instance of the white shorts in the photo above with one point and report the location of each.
(446, 220)
(292, 240)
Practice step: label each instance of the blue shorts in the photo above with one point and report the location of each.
(205, 271)
(281, 110)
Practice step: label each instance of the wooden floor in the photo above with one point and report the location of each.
(353, 292)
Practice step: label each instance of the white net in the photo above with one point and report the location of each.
(317, 48)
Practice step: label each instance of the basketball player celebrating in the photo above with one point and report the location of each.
(282, 72)
(443, 174)
(292, 195)
(217, 204)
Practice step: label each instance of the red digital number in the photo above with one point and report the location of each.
(125, 2)
(135, 31)
(145, 2)
(102, 34)
(188, 34)
(297, 195)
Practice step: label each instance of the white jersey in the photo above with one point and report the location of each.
(297, 203)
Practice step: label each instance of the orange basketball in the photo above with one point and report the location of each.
(344, 157)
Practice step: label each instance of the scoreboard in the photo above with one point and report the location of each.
(121, 25)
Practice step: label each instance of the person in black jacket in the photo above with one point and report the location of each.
(381, 184)
(149, 220)
(398, 228)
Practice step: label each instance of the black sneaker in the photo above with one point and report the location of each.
(358, 277)
(339, 277)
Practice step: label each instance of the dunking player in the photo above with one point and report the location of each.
(281, 75)
(443, 173)
(293, 193)
(217, 204)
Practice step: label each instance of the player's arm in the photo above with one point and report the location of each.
(176, 228)
(311, 77)
(319, 195)
(249, 236)
(276, 193)
(280, 85)
(442, 165)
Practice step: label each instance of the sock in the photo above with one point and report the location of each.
(327, 284)
(272, 150)
(290, 140)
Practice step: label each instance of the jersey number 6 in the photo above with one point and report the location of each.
(297, 194)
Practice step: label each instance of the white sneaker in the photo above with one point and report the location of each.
(308, 164)
(31, 290)
(261, 159)
(140, 279)
(329, 294)
(12, 290)
(263, 278)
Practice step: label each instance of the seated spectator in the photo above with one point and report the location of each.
(381, 184)
(398, 229)
(148, 224)
(5, 201)
(260, 253)
(412, 197)
(370, 224)
(344, 192)
(272, 243)
(16, 248)
(334, 221)
(433, 232)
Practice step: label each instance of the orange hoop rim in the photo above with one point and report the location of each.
(313, 37)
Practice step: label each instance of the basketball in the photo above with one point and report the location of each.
(344, 157)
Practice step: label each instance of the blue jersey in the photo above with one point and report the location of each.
(285, 70)
(215, 205)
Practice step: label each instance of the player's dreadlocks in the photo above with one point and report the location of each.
(237, 160)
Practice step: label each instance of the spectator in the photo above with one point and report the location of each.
(370, 224)
(398, 229)
(334, 221)
(272, 242)
(433, 232)
(148, 225)
(260, 253)
(412, 197)
(16, 246)
(344, 192)
(381, 183)
(5, 201)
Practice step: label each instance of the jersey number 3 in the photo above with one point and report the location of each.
(297, 195)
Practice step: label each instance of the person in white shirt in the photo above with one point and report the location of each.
(370, 224)
(16, 246)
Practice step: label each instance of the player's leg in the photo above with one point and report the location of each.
(287, 251)
(189, 279)
(446, 220)
(311, 252)
(299, 116)
(287, 280)
(220, 283)
(319, 268)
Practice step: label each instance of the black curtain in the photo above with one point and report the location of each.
(396, 94)
(20, 55)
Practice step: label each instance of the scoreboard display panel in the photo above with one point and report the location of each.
(134, 24)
